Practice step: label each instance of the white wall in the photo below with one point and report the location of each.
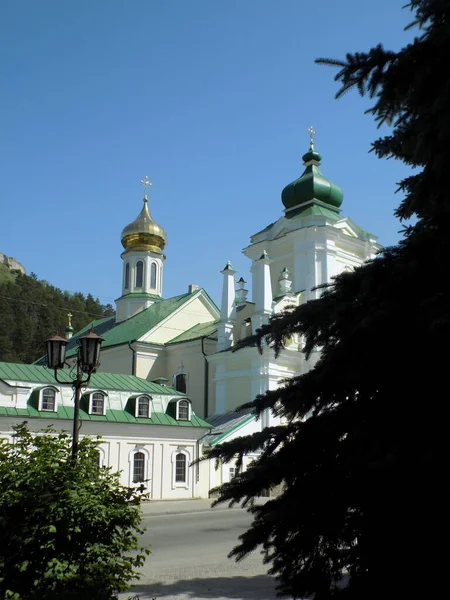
(119, 441)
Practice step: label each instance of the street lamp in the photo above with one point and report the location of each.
(87, 362)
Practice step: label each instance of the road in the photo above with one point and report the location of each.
(189, 559)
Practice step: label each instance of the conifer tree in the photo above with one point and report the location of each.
(363, 455)
(31, 310)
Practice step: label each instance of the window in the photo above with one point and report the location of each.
(98, 459)
(180, 383)
(127, 276)
(180, 468)
(139, 273)
(48, 399)
(153, 276)
(97, 403)
(231, 473)
(143, 407)
(183, 410)
(138, 467)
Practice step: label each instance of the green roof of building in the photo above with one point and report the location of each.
(133, 328)
(314, 210)
(226, 423)
(103, 381)
(115, 416)
(311, 186)
(196, 332)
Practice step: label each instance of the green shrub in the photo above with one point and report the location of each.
(68, 530)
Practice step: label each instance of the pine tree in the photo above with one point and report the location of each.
(363, 456)
(31, 310)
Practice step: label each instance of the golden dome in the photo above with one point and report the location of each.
(143, 233)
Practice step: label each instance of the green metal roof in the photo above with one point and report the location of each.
(226, 423)
(115, 416)
(103, 381)
(314, 210)
(135, 327)
(311, 186)
(197, 331)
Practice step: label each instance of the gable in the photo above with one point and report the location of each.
(199, 309)
(350, 228)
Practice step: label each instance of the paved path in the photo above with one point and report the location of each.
(190, 542)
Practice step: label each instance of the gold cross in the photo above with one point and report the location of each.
(146, 183)
(70, 315)
(311, 137)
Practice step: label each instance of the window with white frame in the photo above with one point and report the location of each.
(138, 467)
(139, 273)
(153, 271)
(183, 408)
(231, 473)
(97, 403)
(180, 468)
(47, 399)
(143, 407)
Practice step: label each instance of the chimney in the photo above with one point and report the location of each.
(192, 287)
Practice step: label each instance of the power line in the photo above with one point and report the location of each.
(84, 312)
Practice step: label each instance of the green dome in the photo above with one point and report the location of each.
(311, 186)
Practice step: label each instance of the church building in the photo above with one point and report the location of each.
(184, 345)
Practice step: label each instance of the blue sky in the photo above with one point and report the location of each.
(211, 99)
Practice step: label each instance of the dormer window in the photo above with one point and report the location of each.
(47, 399)
(143, 407)
(97, 404)
(183, 410)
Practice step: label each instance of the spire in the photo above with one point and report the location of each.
(311, 187)
(241, 292)
(285, 282)
(69, 328)
(144, 233)
(261, 291)
(228, 309)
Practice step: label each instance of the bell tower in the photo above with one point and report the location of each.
(143, 260)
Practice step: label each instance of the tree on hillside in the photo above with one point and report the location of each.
(68, 529)
(32, 310)
(363, 455)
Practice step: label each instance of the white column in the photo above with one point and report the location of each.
(227, 310)
(262, 291)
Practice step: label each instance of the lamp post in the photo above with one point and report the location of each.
(88, 354)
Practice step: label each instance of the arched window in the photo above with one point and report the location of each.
(139, 273)
(97, 404)
(98, 462)
(183, 410)
(48, 399)
(153, 276)
(143, 407)
(127, 276)
(138, 467)
(180, 383)
(180, 468)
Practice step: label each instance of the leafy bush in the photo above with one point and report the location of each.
(67, 528)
